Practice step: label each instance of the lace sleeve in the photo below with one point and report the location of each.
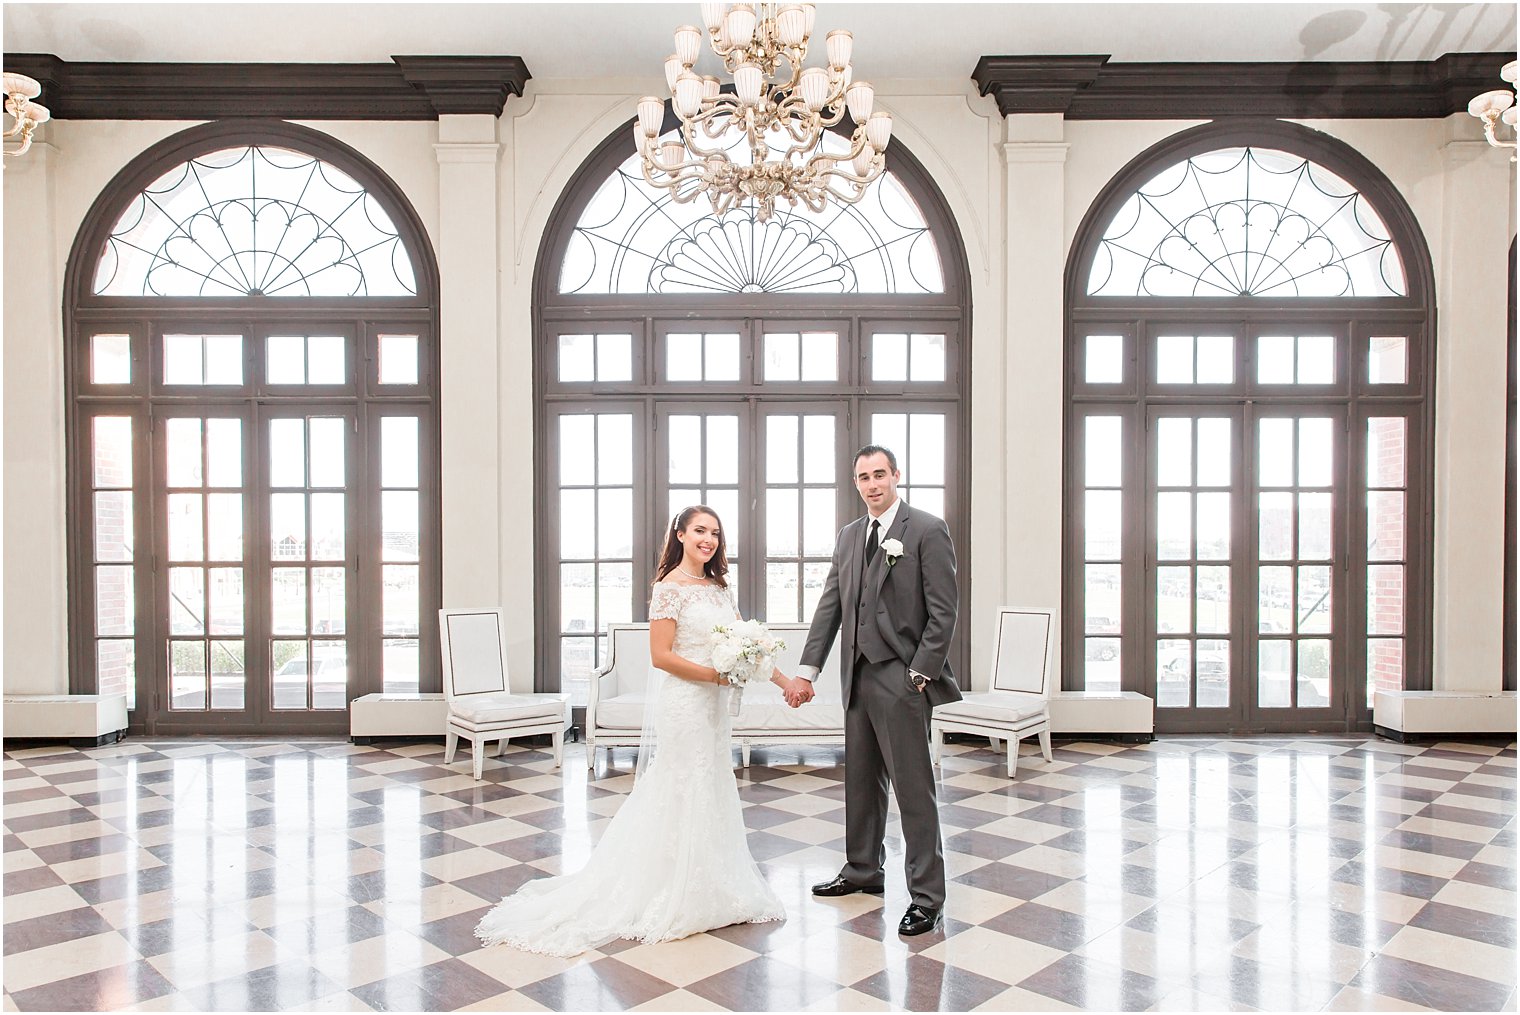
(665, 602)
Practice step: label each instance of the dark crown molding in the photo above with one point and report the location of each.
(1091, 88)
(408, 88)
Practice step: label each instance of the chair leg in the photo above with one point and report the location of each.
(1045, 745)
(936, 741)
(450, 745)
(744, 755)
(590, 755)
(501, 746)
(1013, 756)
(994, 741)
(559, 747)
(479, 755)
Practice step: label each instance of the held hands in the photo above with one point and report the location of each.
(798, 692)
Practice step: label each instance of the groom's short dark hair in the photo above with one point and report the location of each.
(874, 449)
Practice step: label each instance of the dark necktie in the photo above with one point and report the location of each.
(871, 543)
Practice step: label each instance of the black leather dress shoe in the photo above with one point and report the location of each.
(918, 920)
(839, 886)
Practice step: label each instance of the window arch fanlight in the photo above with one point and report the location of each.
(686, 357)
(251, 365)
(1249, 434)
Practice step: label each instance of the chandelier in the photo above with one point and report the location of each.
(782, 119)
(25, 115)
(1496, 106)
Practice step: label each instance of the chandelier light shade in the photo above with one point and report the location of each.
(24, 114)
(1495, 107)
(780, 108)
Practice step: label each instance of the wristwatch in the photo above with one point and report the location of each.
(918, 680)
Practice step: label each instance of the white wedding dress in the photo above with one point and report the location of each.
(674, 860)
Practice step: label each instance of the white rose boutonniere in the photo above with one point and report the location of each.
(893, 548)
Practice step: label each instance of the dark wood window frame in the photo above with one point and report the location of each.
(361, 400)
(649, 317)
(1351, 320)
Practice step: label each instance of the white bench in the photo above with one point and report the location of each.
(396, 715)
(84, 720)
(1403, 714)
(1128, 715)
(615, 709)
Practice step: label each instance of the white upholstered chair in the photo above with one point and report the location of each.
(481, 706)
(1016, 703)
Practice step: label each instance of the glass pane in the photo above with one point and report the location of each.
(110, 359)
(1386, 444)
(614, 449)
(402, 599)
(225, 526)
(889, 357)
(927, 498)
(329, 679)
(182, 359)
(113, 525)
(1214, 451)
(224, 452)
(285, 359)
(1385, 666)
(1316, 359)
(681, 498)
(1385, 599)
(1212, 672)
(1174, 590)
(1316, 451)
(186, 540)
(818, 465)
(577, 450)
(400, 527)
(726, 503)
(1313, 673)
(1105, 359)
(1274, 466)
(1174, 672)
(722, 449)
(228, 674)
(1274, 359)
(1101, 669)
(288, 585)
(1174, 451)
(1101, 599)
(1274, 592)
(1213, 526)
(813, 577)
(683, 357)
(398, 451)
(182, 450)
(1314, 525)
(1174, 526)
(116, 669)
(329, 609)
(926, 449)
(781, 449)
(820, 356)
(328, 526)
(401, 664)
(287, 452)
(288, 659)
(781, 523)
(615, 589)
(1213, 602)
(818, 522)
(722, 358)
(614, 357)
(1274, 673)
(398, 359)
(1276, 526)
(614, 523)
(1216, 359)
(576, 661)
(187, 601)
(224, 359)
(890, 430)
(1103, 524)
(577, 598)
(225, 586)
(577, 358)
(781, 593)
(287, 526)
(577, 524)
(112, 451)
(1387, 360)
(1314, 599)
(187, 674)
(1104, 451)
(783, 358)
(327, 452)
(1174, 359)
(1385, 525)
(685, 449)
(927, 358)
(325, 360)
(115, 608)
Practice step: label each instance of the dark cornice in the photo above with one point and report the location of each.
(1091, 88)
(408, 88)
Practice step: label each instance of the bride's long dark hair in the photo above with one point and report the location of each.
(670, 557)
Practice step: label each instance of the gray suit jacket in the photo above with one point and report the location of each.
(917, 601)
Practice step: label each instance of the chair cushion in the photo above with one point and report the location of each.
(624, 712)
(994, 706)
(486, 708)
(778, 717)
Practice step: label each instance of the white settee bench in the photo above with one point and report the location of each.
(615, 708)
(84, 720)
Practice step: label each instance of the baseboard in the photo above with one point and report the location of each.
(78, 743)
(1456, 736)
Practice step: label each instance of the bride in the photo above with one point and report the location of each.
(674, 859)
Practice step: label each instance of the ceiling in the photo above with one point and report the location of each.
(908, 40)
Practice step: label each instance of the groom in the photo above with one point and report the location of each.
(892, 596)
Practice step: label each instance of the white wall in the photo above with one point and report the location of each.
(1018, 190)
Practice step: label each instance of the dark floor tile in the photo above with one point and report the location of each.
(760, 816)
(1430, 986)
(954, 816)
(83, 849)
(482, 793)
(1388, 879)
(48, 819)
(377, 884)
(1270, 988)
(765, 846)
(1491, 875)
(107, 990)
(327, 930)
(925, 984)
(39, 932)
(1077, 981)
(273, 988)
(983, 845)
(527, 848)
(30, 880)
(120, 886)
(1007, 879)
(1150, 922)
(1467, 923)
(453, 934)
(1054, 928)
(550, 819)
(25, 796)
(1359, 930)
(1465, 816)
(1437, 845)
(762, 984)
(608, 984)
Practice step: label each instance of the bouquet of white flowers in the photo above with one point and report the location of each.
(744, 653)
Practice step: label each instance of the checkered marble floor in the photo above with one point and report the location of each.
(1193, 873)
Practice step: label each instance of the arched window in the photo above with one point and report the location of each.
(253, 427)
(1248, 475)
(685, 356)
